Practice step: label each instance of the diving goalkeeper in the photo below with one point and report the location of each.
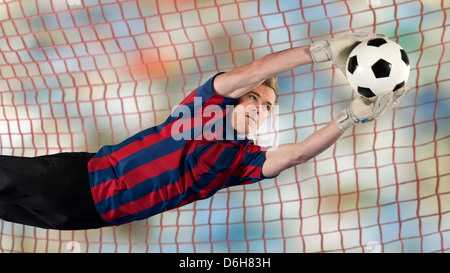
(186, 158)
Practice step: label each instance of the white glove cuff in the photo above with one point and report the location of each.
(345, 119)
(320, 51)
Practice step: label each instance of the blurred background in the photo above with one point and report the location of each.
(79, 74)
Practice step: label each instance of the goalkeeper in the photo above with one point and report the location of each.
(171, 165)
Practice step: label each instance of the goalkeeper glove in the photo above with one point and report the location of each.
(338, 49)
(365, 110)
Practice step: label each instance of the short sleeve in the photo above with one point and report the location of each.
(250, 171)
(205, 96)
(202, 114)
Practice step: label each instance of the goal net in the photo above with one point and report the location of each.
(79, 74)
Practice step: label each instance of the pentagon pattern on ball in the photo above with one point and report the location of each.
(400, 85)
(366, 92)
(381, 69)
(404, 56)
(352, 64)
(376, 42)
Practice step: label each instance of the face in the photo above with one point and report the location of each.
(253, 109)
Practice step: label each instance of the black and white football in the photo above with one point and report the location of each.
(377, 65)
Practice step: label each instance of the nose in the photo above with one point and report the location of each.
(255, 109)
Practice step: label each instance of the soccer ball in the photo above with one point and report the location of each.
(377, 65)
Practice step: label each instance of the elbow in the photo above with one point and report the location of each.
(302, 153)
(300, 159)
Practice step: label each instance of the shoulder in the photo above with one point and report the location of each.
(207, 94)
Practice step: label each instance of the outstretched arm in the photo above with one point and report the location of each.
(241, 80)
(360, 110)
(285, 156)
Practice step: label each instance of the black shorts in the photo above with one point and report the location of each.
(49, 191)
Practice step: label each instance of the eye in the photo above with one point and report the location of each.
(252, 97)
(266, 108)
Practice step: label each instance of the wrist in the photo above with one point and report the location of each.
(320, 51)
(345, 120)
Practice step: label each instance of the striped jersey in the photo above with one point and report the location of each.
(188, 157)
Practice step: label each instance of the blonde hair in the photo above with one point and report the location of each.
(272, 82)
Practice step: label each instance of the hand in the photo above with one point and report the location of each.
(364, 110)
(338, 49)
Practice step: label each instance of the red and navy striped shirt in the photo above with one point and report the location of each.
(157, 170)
